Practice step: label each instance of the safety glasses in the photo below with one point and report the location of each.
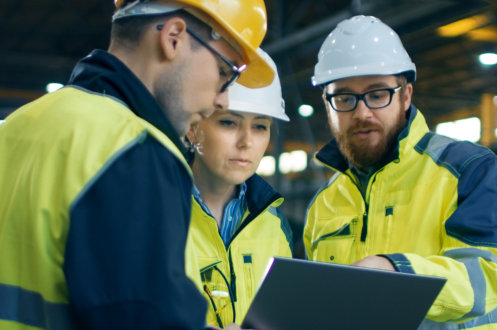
(231, 74)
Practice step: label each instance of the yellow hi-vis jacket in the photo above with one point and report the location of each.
(430, 209)
(94, 209)
(229, 276)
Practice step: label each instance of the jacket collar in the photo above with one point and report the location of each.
(331, 156)
(259, 194)
(103, 73)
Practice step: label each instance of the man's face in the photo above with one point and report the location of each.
(365, 136)
(191, 90)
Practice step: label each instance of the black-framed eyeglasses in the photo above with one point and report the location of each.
(236, 70)
(375, 99)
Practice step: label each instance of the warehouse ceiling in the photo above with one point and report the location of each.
(42, 39)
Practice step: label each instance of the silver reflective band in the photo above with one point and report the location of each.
(143, 8)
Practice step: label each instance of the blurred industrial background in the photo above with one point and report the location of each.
(41, 40)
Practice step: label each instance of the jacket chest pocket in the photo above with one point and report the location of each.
(335, 243)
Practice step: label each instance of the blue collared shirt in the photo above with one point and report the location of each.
(233, 213)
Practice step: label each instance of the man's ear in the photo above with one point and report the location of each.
(173, 37)
(407, 96)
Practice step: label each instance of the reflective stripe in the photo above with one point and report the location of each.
(477, 279)
(432, 325)
(487, 319)
(28, 307)
(471, 252)
(490, 318)
(469, 257)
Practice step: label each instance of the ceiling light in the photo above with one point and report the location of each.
(488, 33)
(293, 161)
(462, 26)
(463, 129)
(306, 110)
(488, 58)
(267, 166)
(52, 87)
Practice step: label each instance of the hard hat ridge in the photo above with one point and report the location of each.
(360, 46)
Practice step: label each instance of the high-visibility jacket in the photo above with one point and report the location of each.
(95, 209)
(229, 276)
(431, 209)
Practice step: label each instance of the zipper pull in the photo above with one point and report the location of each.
(364, 230)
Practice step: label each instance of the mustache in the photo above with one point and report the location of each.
(365, 125)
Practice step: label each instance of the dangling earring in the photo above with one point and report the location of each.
(198, 148)
(190, 150)
(190, 147)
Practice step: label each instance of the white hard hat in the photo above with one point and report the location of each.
(362, 46)
(265, 101)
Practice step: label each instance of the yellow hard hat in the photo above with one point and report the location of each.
(244, 21)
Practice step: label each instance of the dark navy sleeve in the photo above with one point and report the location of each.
(124, 260)
(475, 219)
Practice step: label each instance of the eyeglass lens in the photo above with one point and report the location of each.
(374, 99)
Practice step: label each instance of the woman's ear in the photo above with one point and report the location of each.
(191, 134)
(173, 37)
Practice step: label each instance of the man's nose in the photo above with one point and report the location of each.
(362, 111)
(221, 102)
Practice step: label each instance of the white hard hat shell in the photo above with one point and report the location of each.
(362, 46)
(266, 101)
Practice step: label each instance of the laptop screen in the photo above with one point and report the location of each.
(302, 294)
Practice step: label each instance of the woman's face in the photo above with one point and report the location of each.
(230, 144)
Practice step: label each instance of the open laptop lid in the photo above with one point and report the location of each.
(301, 294)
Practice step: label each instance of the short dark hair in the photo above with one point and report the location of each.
(129, 30)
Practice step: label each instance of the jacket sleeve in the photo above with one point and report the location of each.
(469, 252)
(124, 260)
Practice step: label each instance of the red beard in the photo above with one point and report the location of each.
(360, 152)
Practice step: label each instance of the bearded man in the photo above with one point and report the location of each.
(402, 198)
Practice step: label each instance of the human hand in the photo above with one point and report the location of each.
(376, 262)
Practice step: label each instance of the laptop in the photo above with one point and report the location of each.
(302, 294)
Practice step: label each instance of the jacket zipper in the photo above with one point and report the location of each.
(232, 277)
(364, 230)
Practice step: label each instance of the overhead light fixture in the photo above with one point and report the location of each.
(293, 161)
(488, 58)
(52, 87)
(488, 34)
(463, 129)
(463, 26)
(306, 110)
(267, 166)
